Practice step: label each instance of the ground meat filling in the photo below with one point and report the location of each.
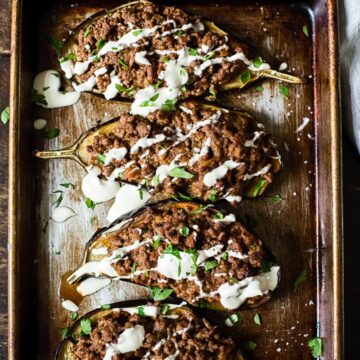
(158, 48)
(188, 227)
(192, 337)
(197, 141)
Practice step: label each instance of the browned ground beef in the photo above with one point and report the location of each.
(114, 25)
(167, 221)
(228, 137)
(200, 341)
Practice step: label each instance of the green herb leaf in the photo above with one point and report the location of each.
(101, 158)
(259, 88)
(172, 250)
(193, 52)
(259, 186)
(55, 43)
(133, 267)
(137, 32)
(209, 56)
(180, 33)
(68, 57)
(154, 97)
(58, 201)
(212, 92)
(164, 308)
(276, 198)
(245, 77)
(141, 194)
(73, 315)
(88, 32)
(157, 84)
(52, 133)
(123, 63)
(257, 319)
(210, 264)
(159, 294)
(156, 180)
(213, 196)
(250, 345)
(225, 256)
(284, 90)
(234, 318)
(199, 210)
(168, 105)
(5, 115)
(89, 203)
(105, 306)
(165, 59)
(37, 98)
(257, 62)
(63, 332)
(141, 310)
(300, 279)
(315, 345)
(184, 231)
(122, 89)
(219, 216)
(68, 185)
(180, 173)
(183, 196)
(234, 280)
(266, 265)
(85, 326)
(156, 242)
(305, 30)
(100, 44)
(194, 255)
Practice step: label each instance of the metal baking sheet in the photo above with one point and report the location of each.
(304, 230)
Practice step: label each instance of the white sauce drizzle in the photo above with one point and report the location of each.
(306, 120)
(263, 171)
(40, 124)
(218, 173)
(62, 213)
(147, 142)
(115, 154)
(251, 143)
(92, 285)
(140, 58)
(203, 151)
(69, 305)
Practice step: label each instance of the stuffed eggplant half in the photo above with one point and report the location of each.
(195, 252)
(140, 330)
(156, 55)
(196, 150)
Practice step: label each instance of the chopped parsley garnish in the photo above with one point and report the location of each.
(193, 52)
(68, 57)
(156, 242)
(209, 56)
(300, 279)
(164, 308)
(133, 267)
(5, 115)
(105, 306)
(122, 89)
(141, 194)
(180, 33)
(63, 332)
(259, 88)
(210, 264)
(284, 90)
(250, 345)
(165, 59)
(172, 250)
(101, 158)
(180, 173)
(315, 345)
(199, 210)
(141, 310)
(257, 62)
(37, 98)
(68, 185)
(137, 32)
(184, 231)
(276, 198)
(234, 280)
(59, 199)
(245, 77)
(259, 186)
(212, 93)
(257, 319)
(159, 294)
(100, 44)
(225, 256)
(88, 32)
(266, 265)
(234, 318)
(219, 216)
(183, 196)
(123, 63)
(151, 101)
(85, 326)
(55, 43)
(156, 180)
(168, 105)
(52, 133)
(157, 85)
(213, 196)
(305, 30)
(194, 255)
(73, 315)
(89, 203)
(183, 72)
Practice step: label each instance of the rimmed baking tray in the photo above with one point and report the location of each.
(304, 230)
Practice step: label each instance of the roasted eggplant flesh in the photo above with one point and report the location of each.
(197, 150)
(157, 54)
(145, 331)
(206, 257)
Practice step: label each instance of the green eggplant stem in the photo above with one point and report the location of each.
(55, 154)
(282, 76)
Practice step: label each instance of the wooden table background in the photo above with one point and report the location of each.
(351, 190)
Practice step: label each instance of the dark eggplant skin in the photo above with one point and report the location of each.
(63, 351)
(209, 303)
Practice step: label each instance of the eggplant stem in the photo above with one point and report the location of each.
(282, 76)
(56, 154)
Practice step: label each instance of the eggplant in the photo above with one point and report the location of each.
(200, 254)
(96, 62)
(144, 317)
(217, 153)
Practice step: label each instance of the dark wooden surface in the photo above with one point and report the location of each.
(351, 191)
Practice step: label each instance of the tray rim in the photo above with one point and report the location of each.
(335, 214)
